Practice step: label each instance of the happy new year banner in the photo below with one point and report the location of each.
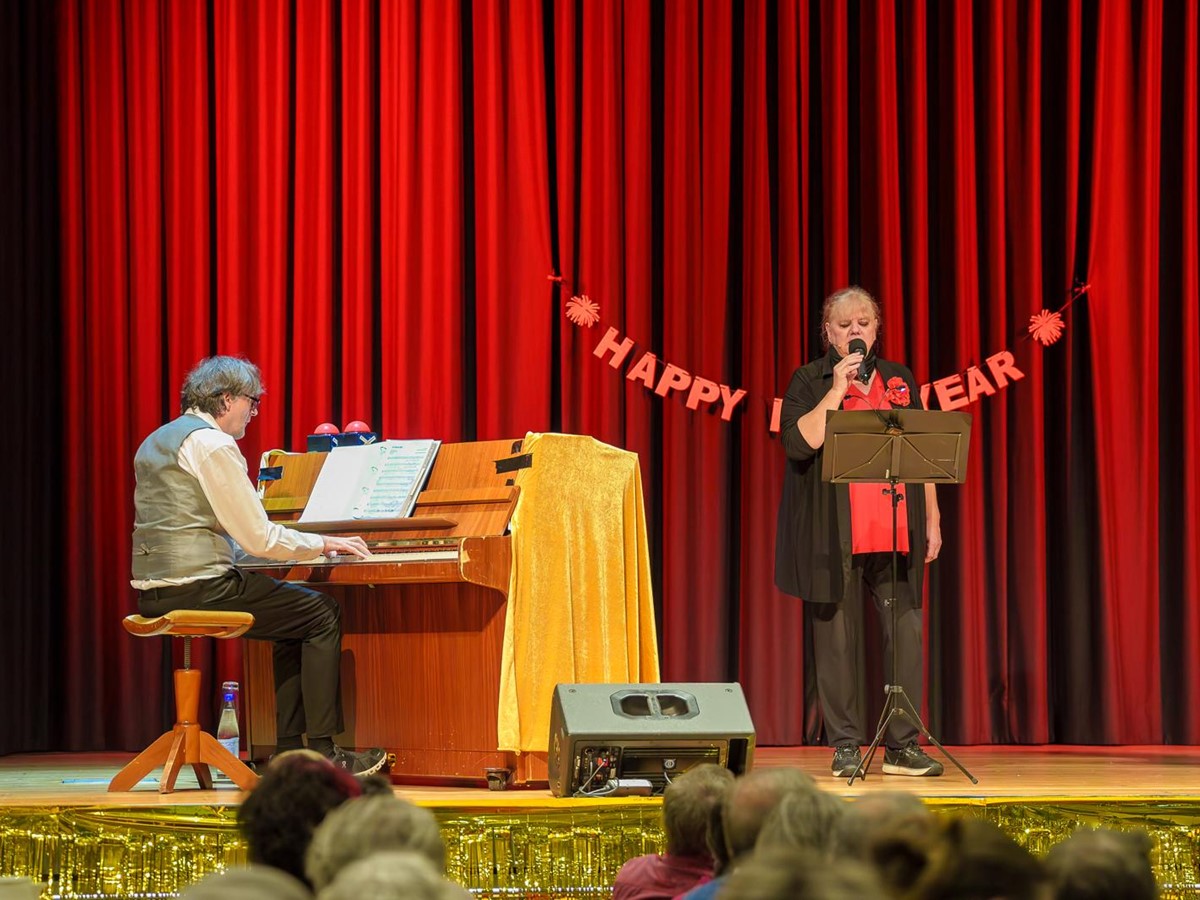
(665, 379)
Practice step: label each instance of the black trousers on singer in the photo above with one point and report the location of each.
(305, 628)
(837, 635)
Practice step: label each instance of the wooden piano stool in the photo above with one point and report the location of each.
(186, 743)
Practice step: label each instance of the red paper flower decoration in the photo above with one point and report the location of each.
(897, 392)
(1046, 327)
(583, 311)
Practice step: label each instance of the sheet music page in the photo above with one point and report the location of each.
(373, 481)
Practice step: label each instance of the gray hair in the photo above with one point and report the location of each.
(805, 818)
(252, 883)
(1094, 865)
(796, 874)
(392, 875)
(751, 800)
(206, 385)
(368, 825)
(688, 805)
(879, 813)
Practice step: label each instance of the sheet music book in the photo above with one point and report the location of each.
(372, 481)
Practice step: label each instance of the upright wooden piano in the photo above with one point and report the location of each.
(422, 620)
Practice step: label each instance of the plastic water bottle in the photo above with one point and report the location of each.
(227, 728)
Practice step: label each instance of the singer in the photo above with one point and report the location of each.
(834, 540)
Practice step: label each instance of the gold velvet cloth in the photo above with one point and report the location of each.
(580, 604)
(534, 847)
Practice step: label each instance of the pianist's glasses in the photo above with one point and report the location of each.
(254, 401)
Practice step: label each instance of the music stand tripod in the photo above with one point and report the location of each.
(912, 446)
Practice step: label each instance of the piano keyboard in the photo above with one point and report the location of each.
(390, 557)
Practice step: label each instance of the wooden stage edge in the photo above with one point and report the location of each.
(1005, 773)
(60, 826)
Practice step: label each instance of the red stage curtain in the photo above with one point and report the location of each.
(369, 198)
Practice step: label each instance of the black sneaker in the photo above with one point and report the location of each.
(910, 760)
(359, 763)
(846, 760)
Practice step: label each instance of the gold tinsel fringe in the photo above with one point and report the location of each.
(560, 850)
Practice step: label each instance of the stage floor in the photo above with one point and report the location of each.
(1004, 773)
(60, 826)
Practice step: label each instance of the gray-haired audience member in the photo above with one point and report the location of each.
(781, 873)
(689, 802)
(252, 883)
(1101, 864)
(890, 813)
(392, 875)
(804, 819)
(370, 825)
(734, 829)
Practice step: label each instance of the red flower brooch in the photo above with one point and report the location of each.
(897, 392)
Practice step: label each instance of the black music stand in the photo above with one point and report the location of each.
(912, 446)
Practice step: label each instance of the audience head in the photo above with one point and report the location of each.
(372, 825)
(390, 875)
(1100, 864)
(806, 819)
(296, 792)
(892, 814)
(746, 807)
(375, 785)
(689, 802)
(962, 858)
(782, 873)
(252, 883)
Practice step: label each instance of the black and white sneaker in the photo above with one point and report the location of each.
(910, 760)
(359, 763)
(846, 760)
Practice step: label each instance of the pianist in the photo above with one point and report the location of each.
(196, 513)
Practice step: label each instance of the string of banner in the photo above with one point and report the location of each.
(665, 378)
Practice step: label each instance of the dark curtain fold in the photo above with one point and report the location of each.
(31, 348)
(369, 199)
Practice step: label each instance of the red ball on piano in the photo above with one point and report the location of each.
(355, 427)
(326, 428)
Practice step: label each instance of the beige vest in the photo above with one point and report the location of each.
(175, 532)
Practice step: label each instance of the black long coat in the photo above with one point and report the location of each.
(813, 537)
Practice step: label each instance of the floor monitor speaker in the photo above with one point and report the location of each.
(622, 739)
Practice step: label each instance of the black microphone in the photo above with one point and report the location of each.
(858, 345)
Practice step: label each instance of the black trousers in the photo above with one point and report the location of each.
(305, 627)
(837, 630)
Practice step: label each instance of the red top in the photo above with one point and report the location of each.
(655, 877)
(870, 507)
